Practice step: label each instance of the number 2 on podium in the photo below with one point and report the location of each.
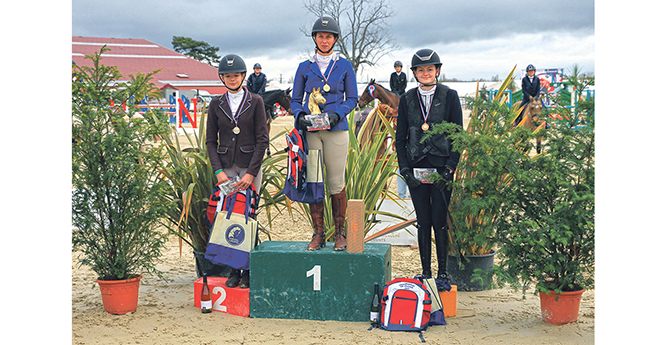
(316, 272)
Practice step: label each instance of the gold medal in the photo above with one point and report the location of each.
(237, 130)
(425, 126)
(326, 87)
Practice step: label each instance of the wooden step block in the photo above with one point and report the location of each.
(289, 282)
(235, 301)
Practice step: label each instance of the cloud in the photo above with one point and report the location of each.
(472, 35)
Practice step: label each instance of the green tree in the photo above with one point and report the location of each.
(117, 190)
(198, 50)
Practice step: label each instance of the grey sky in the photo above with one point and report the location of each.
(475, 39)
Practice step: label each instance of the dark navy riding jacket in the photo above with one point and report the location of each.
(530, 88)
(256, 83)
(342, 97)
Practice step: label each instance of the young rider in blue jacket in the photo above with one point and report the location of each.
(335, 77)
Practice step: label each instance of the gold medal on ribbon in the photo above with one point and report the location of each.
(326, 87)
(237, 130)
(425, 126)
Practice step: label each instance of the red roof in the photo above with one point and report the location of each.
(134, 55)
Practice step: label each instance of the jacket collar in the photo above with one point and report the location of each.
(223, 104)
(315, 66)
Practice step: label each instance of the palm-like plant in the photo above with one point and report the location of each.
(192, 180)
(368, 169)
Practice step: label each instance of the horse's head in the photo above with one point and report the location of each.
(285, 100)
(535, 106)
(367, 94)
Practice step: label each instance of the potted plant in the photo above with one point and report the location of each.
(191, 180)
(490, 145)
(549, 220)
(117, 189)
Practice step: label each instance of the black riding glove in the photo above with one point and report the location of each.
(334, 118)
(303, 123)
(411, 181)
(446, 176)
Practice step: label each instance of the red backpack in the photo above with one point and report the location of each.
(405, 306)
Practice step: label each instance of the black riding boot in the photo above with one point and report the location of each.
(442, 250)
(233, 279)
(424, 242)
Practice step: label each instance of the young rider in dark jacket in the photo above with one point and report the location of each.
(428, 104)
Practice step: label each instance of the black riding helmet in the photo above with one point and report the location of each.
(326, 24)
(398, 63)
(231, 63)
(425, 57)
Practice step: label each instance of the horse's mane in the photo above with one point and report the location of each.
(271, 96)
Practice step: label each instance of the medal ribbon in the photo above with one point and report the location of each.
(238, 112)
(425, 109)
(327, 70)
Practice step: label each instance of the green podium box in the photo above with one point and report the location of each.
(289, 282)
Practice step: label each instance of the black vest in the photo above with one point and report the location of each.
(438, 145)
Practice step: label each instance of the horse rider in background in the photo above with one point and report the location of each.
(256, 82)
(398, 80)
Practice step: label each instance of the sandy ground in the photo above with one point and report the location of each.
(166, 314)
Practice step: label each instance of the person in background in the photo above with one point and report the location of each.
(531, 85)
(236, 137)
(398, 79)
(398, 84)
(421, 107)
(335, 77)
(256, 82)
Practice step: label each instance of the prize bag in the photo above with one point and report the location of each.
(304, 177)
(234, 229)
(405, 306)
(218, 197)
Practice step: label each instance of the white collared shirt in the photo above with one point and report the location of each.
(235, 100)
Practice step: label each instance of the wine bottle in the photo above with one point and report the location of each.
(375, 305)
(205, 300)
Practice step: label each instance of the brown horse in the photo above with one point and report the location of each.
(529, 119)
(375, 90)
(389, 106)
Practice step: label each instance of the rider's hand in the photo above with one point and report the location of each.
(303, 123)
(411, 181)
(334, 118)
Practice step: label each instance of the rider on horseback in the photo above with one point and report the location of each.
(531, 85)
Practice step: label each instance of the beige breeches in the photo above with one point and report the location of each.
(334, 150)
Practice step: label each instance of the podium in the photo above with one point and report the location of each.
(234, 301)
(289, 282)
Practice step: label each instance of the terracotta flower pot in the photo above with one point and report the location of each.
(120, 296)
(563, 310)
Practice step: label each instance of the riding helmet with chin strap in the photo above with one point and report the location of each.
(425, 57)
(231, 63)
(398, 63)
(326, 24)
(530, 67)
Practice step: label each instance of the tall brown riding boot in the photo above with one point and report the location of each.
(339, 216)
(318, 239)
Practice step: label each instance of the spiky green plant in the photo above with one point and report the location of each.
(192, 179)
(368, 169)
